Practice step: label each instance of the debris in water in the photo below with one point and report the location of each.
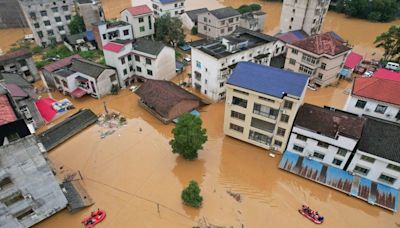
(236, 196)
(272, 155)
(110, 121)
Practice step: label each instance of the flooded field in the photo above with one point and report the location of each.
(10, 36)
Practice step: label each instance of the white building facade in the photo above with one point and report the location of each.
(105, 32)
(218, 22)
(141, 19)
(172, 7)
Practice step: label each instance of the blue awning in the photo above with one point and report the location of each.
(345, 72)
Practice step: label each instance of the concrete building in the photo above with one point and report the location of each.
(213, 60)
(261, 104)
(85, 77)
(172, 7)
(20, 62)
(48, 70)
(377, 97)
(218, 22)
(141, 58)
(48, 20)
(325, 135)
(141, 19)
(29, 192)
(306, 15)
(11, 15)
(378, 154)
(320, 56)
(105, 32)
(253, 20)
(91, 11)
(189, 18)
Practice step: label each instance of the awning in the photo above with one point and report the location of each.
(81, 79)
(78, 92)
(44, 105)
(345, 72)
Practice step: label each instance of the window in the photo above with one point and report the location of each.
(50, 32)
(47, 23)
(123, 60)
(37, 25)
(341, 152)
(236, 127)
(298, 148)
(64, 8)
(291, 19)
(54, 9)
(43, 13)
(129, 57)
(323, 144)
(318, 155)
(148, 61)
(24, 213)
(284, 118)
(32, 15)
(320, 76)
(13, 198)
(292, 61)
(230, 20)
(281, 131)
(278, 143)
(150, 72)
(288, 104)
(294, 51)
(126, 32)
(230, 29)
(57, 19)
(125, 72)
(141, 19)
(131, 68)
(60, 28)
(239, 101)
(262, 125)
(40, 34)
(301, 137)
(337, 162)
(198, 64)
(13, 136)
(138, 69)
(387, 179)
(68, 17)
(265, 111)
(137, 58)
(397, 116)
(393, 167)
(5, 182)
(368, 159)
(306, 70)
(221, 84)
(238, 115)
(258, 137)
(239, 91)
(360, 104)
(104, 37)
(380, 109)
(141, 28)
(361, 170)
(222, 22)
(222, 31)
(150, 23)
(323, 66)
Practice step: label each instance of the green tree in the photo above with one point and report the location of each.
(390, 42)
(194, 30)
(244, 9)
(169, 30)
(255, 7)
(191, 195)
(189, 136)
(76, 25)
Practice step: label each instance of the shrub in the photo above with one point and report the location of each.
(191, 195)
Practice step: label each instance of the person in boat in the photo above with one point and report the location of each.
(320, 218)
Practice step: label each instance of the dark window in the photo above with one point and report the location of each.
(37, 25)
(104, 37)
(40, 34)
(150, 25)
(262, 125)
(68, 17)
(141, 19)
(288, 104)
(148, 61)
(278, 143)
(323, 66)
(236, 127)
(43, 13)
(368, 159)
(298, 148)
(129, 57)
(323, 144)
(32, 15)
(24, 213)
(284, 118)
(361, 104)
(265, 111)
(292, 61)
(230, 20)
(397, 116)
(5, 182)
(258, 137)
(361, 170)
(54, 9)
(123, 60)
(138, 69)
(342, 152)
(393, 167)
(65, 8)
(239, 91)
(320, 76)
(47, 23)
(125, 72)
(13, 137)
(294, 51)
(230, 29)
(387, 179)
(141, 28)
(137, 58)
(319, 155)
(50, 32)
(60, 28)
(221, 84)
(301, 137)
(239, 101)
(131, 68)
(149, 72)
(380, 109)
(13, 198)
(281, 131)
(126, 32)
(238, 115)
(337, 162)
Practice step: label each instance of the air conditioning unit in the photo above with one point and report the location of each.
(367, 109)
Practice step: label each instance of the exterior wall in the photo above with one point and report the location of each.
(186, 21)
(91, 13)
(104, 83)
(213, 27)
(174, 9)
(49, 78)
(105, 34)
(147, 25)
(310, 146)
(165, 65)
(211, 69)
(254, 24)
(392, 112)
(36, 21)
(24, 66)
(71, 84)
(252, 98)
(182, 107)
(378, 167)
(114, 59)
(322, 77)
(306, 15)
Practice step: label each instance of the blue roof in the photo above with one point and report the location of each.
(268, 80)
(167, 1)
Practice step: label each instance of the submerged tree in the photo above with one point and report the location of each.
(189, 136)
(169, 30)
(191, 195)
(390, 41)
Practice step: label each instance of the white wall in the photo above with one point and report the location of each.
(165, 65)
(104, 83)
(174, 9)
(113, 59)
(103, 30)
(186, 21)
(134, 22)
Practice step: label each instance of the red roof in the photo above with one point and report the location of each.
(61, 63)
(320, 44)
(16, 91)
(15, 54)
(387, 74)
(139, 10)
(114, 47)
(44, 105)
(7, 114)
(352, 60)
(377, 89)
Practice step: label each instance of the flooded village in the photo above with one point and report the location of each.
(114, 148)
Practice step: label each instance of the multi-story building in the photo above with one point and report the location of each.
(377, 157)
(141, 18)
(48, 20)
(189, 18)
(105, 32)
(213, 61)
(306, 15)
(326, 135)
(140, 58)
(91, 11)
(261, 104)
(172, 7)
(21, 62)
(253, 20)
(218, 22)
(320, 56)
(377, 97)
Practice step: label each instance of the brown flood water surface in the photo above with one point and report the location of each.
(10, 36)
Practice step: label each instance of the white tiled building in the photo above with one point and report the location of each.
(141, 19)
(325, 135)
(172, 7)
(213, 60)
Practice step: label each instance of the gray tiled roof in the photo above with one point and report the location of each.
(87, 67)
(148, 46)
(226, 12)
(193, 13)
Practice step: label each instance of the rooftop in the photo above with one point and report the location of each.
(60, 63)
(113, 47)
(148, 46)
(193, 13)
(381, 138)
(169, 1)
(87, 67)
(325, 43)
(387, 74)
(378, 89)
(114, 24)
(139, 10)
(7, 113)
(352, 60)
(292, 36)
(268, 80)
(225, 12)
(23, 53)
(329, 122)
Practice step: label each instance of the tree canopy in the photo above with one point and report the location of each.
(191, 195)
(169, 30)
(76, 25)
(373, 10)
(248, 8)
(189, 136)
(390, 42)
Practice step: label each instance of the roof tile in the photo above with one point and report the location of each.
(139, 10)
(379, 89)
(320, 44)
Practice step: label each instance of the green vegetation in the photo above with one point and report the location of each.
(41, 64)
(114, 89)
(169, 30)
(372, 10)
(390, 41)
(194, 30)
(248, 8)
(189, 136)
(37, 50)
(76, 25)
(59, 51)
(191, 195)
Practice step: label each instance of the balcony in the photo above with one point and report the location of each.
(224, 74)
